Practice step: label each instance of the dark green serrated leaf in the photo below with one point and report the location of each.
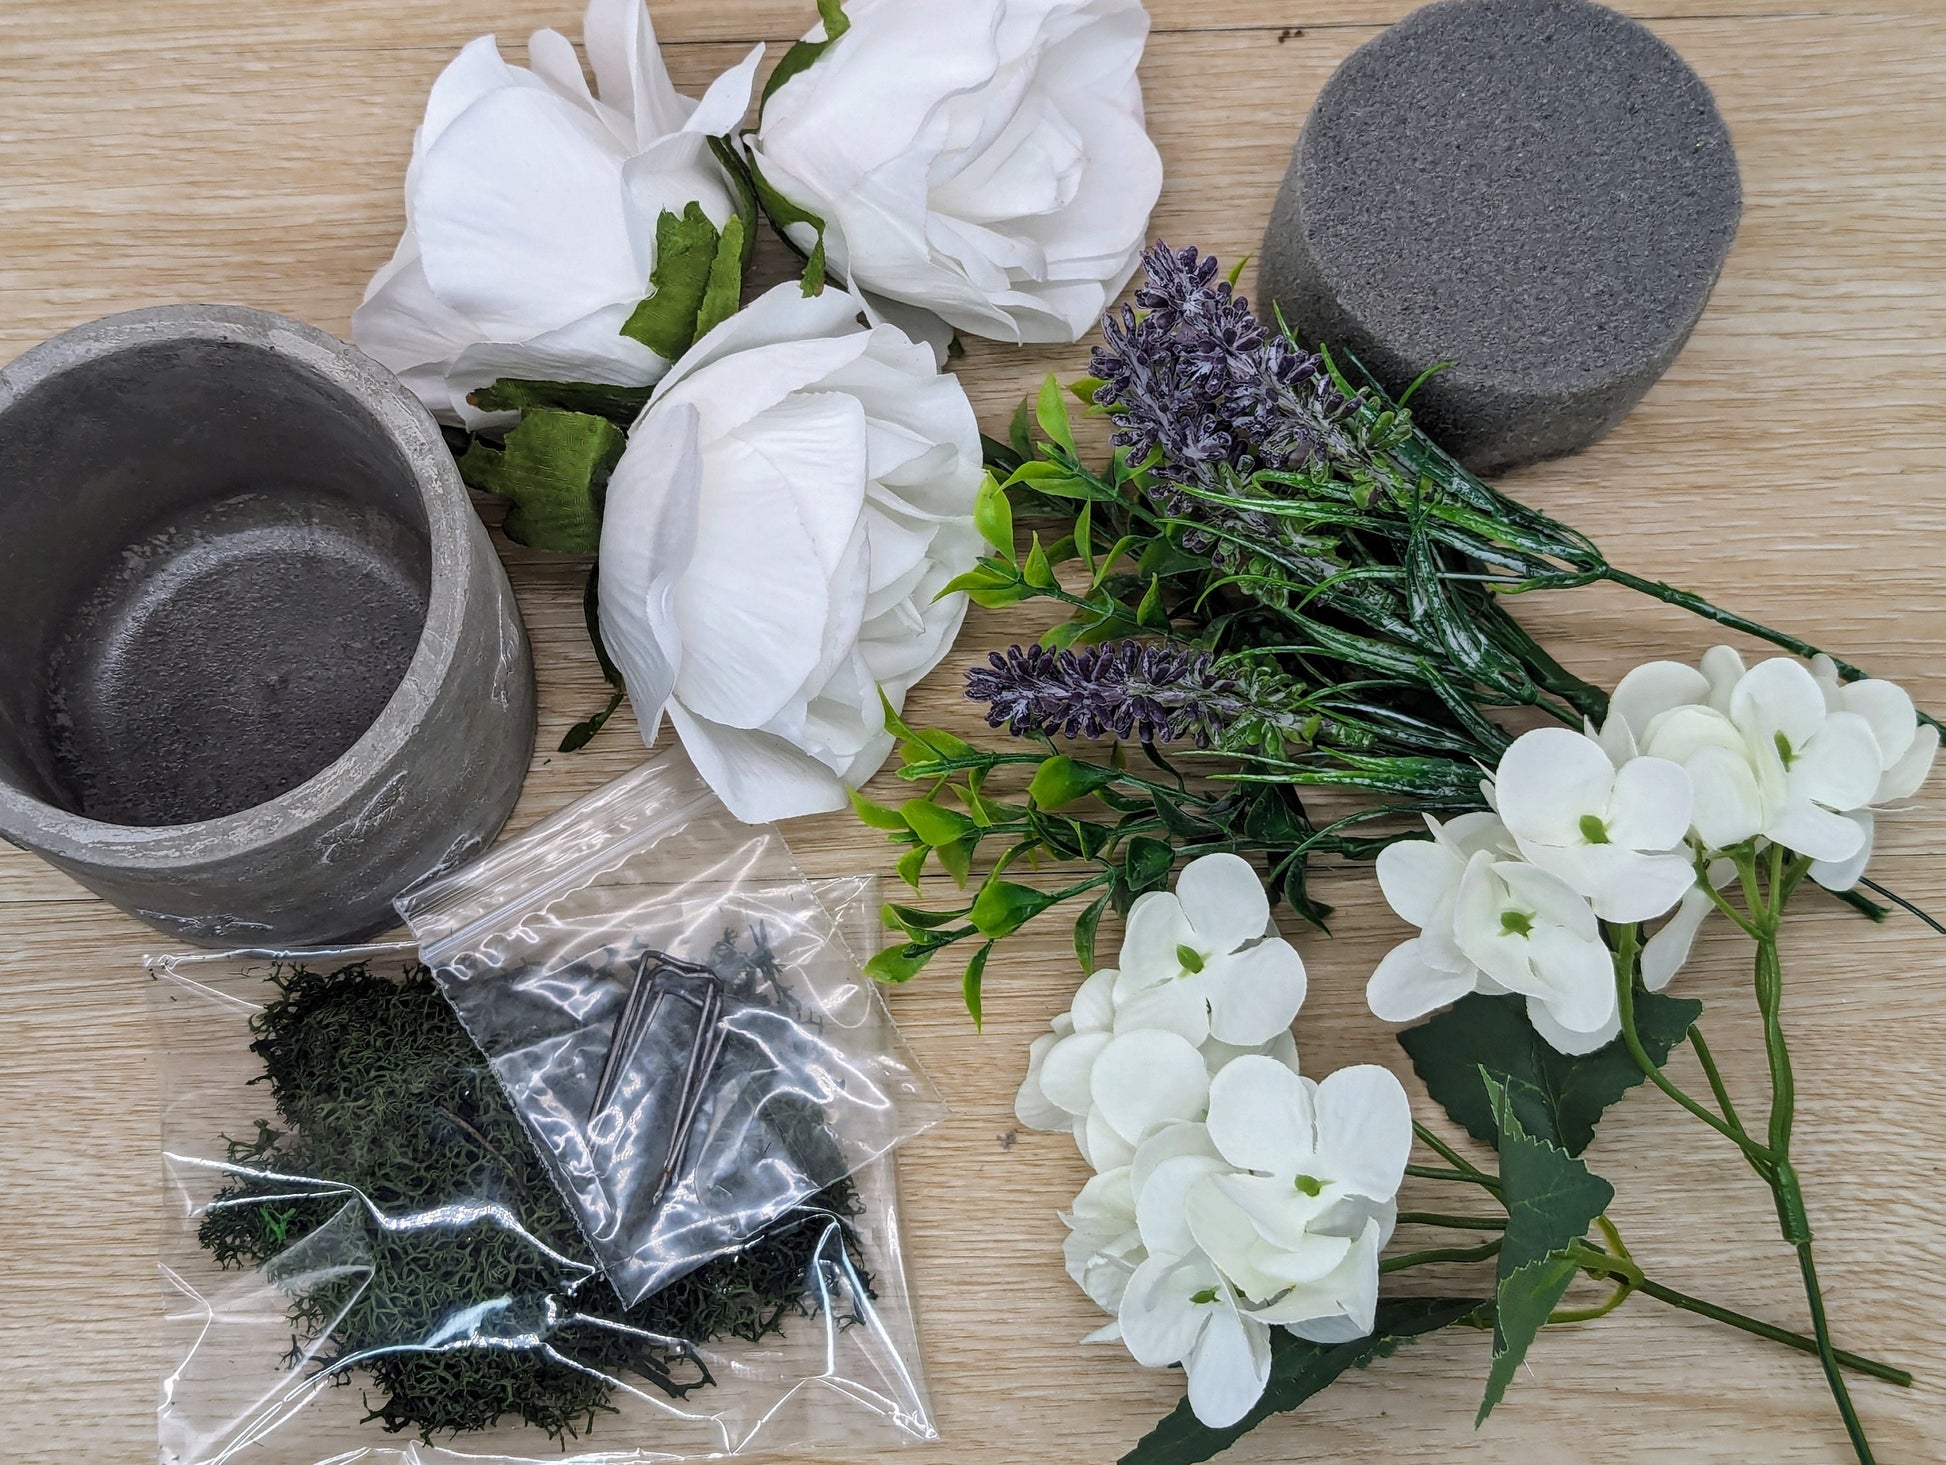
(1551, 1199)
(1301, 1370)
(555, 467)
(1525, 1301)
(686, 248)
(620, 405)
(1561, 1098)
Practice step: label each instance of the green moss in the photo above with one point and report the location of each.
(379, 1093)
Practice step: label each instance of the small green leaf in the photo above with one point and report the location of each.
(686, 251)
(970, 984)
(1018, 434)
(1551, 1201)
(877, 815)
(1147, 864)
(1300, 1370)
(913, 921)
(957, 858)
(1085, 930)
(990, 583)
(1061, 780)
(896, 964)
(1051, 412)
(1083, 389)
(555, 467)
(1003, 907)
(1038, 572)
(993, 516)
(1558, 1097)
(1150, 612)
(912, 863)
(934, 825)
(1236, 270)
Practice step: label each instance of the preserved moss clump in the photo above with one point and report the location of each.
(399, 1205)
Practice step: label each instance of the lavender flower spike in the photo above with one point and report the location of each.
(1129, 689)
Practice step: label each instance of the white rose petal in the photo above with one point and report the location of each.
(775, 541)
(531, 211)
(983, 162)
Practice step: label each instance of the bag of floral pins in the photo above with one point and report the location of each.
(366, 1245)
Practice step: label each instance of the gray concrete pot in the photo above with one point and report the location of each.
(260, 667)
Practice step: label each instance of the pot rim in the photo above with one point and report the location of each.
(336, 789)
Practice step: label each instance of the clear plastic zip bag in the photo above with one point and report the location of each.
(365, 1260)
(690, 1039)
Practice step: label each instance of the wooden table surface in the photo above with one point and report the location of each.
(1793, 464)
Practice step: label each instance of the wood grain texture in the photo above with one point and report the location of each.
(1793, 464)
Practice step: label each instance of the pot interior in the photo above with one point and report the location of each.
(214, 571)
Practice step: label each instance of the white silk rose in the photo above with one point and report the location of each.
(776, 537)
(531, 210)
(983, 162)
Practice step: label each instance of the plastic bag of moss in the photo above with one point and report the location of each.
(366, 1259)
(691, 1041)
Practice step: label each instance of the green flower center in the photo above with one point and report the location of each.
(1516, 923)
(1309, 1184)
(1191, 959)
(1785, 751)
(1593, 830)
(1208, 1294)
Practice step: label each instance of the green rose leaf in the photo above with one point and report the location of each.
(1061, 780)
(1558, 1097)
(555, 467)
(801, 55)
(1551, 1200)
(690, 258)
(1299, 1370)
(1003, 907)
(620, 405)
(724, 292)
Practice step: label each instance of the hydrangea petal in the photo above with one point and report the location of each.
(1067, 1072)
(1667, 951)
(1160, 1325)
(1364, 1129)
(1415, 875)
(1407, 986)
(1032, 1107)
(1652, 689)
(1229, 1366)
(1564, 1039)
(1840, 767)
(1548, 780)
(1844, 874)
(1255, 994)
(1904, 778)
(1161, 1213)
(1804, 827)
(1177, 1006)
(1156, 927)
(1144, 1080)
(1223, 901)
(1261, 1116)
(1651, 805)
